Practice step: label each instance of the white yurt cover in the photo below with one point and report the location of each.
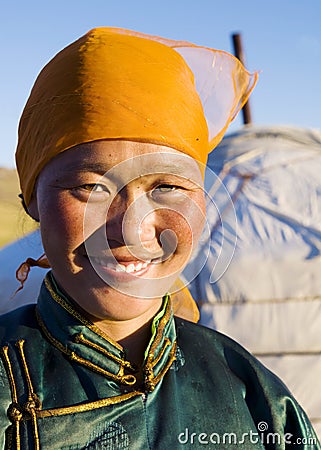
(261, 282)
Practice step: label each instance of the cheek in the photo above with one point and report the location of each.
(185, 223)
(61, 222)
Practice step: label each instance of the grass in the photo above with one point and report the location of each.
(14, 222)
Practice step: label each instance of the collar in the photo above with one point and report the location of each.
(67, 328)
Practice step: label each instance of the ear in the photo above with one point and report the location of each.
(32, 208)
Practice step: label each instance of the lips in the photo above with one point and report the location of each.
(124, 266)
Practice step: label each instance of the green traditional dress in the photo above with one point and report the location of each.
(65, 385)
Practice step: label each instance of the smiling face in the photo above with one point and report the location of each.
(119, 220)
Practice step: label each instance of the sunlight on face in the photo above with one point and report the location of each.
(153, 203)
(119, 220)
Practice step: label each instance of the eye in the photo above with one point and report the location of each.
(164, 188)
(167, 193)
(94, 187)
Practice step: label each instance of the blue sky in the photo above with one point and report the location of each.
(281, 38)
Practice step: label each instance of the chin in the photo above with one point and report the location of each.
(107, 303)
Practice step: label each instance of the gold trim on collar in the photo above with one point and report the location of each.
(152, 360)
(153, 357)
(78, 313)
(128, 380)
(151, 381)
(80, 339)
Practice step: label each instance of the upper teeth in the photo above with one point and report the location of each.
(121, 267)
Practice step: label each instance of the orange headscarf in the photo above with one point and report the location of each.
(117, 84)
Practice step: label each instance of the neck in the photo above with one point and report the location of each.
(133, 334)
(135, 345)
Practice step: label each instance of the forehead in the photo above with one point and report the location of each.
(120, 159)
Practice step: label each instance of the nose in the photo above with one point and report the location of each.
(131, 219)
(138, 222)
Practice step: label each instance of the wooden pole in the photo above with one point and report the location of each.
(238, 52)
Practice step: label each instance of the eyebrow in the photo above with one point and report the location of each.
(83, 166)
(170, 169)
(100, 168)
(165, 169)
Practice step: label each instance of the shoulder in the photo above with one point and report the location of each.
(223, 365)
(205, 338)
(210, 345)
(18, 324)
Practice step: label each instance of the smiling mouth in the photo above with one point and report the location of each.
(124, 266)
